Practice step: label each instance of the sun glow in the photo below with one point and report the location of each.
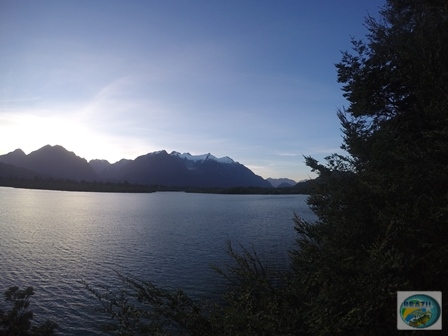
(31, 132)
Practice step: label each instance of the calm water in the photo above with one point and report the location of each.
(53, 239)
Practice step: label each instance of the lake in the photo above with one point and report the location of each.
(51, 240)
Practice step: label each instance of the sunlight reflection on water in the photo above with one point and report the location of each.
(52, 240)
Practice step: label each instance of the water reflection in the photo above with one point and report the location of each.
(51, 240)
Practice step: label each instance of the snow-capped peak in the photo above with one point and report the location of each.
(202, 157)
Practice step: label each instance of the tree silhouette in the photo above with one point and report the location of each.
(18, 320)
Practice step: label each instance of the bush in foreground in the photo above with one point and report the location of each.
(18, 320)
(254, 304)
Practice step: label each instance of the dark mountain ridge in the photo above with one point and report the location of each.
(182, 170)
(10, 171)
(52, 161)
(281, 182)
(13, 158)
(157, 168)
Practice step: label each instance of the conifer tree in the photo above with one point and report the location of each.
(382, 208)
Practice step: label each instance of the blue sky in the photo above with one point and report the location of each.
(252, 80)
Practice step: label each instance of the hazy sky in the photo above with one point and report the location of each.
(253, 80)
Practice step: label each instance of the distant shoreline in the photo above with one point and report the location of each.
(124, 187)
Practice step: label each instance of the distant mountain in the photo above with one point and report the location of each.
(11, 171)
(201, 158)
(13, 158)
(110, 172)
(52, 161)
(284, 185)
(99, 165)
(181, 170)
(157, 168)
(281, 182)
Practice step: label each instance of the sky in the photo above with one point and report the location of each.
(254, 80)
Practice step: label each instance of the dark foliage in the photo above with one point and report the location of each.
(18, 320)
(72, 185)
(382, 209)
(257, 302)
(125, 187)
(140, 308)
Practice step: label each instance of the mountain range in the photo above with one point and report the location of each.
(281, 182)
(156, 168)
